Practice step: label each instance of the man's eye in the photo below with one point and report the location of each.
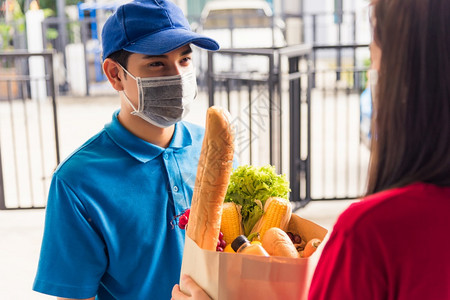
(155, 64)
(186, 59)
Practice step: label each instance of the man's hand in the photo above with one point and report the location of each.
(193, 289)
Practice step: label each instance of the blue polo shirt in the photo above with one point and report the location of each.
(108, 225)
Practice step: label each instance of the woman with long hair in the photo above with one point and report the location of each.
(394, 243)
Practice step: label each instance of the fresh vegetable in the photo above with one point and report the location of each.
(251, 213)
(277, 213)
(254, 237)
(231, 222)
(311, 247)
(250, 187)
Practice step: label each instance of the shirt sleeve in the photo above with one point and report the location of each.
(348, 267)
(73, 257)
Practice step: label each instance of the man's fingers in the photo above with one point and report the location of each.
(193, 288)
(177, 294)
(188, 284)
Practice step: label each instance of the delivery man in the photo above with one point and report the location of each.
(108, 231)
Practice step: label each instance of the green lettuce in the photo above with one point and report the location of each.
(250, 187)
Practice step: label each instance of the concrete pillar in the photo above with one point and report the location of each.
(34, 19)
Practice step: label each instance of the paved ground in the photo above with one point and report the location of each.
(21, 230)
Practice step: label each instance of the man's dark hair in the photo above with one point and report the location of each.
(121, 57)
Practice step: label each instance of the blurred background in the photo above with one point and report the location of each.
(292, 73)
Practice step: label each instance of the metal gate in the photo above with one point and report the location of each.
(29, 145)
(296, 115)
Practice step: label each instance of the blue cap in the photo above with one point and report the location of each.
(151, 27)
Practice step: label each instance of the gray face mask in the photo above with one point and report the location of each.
(163, 101)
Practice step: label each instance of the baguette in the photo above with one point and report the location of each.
(213, 175)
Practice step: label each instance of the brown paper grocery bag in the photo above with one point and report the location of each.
(240, 276)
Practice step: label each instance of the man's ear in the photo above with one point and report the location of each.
(112, 72)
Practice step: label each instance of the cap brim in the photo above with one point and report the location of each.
(170, 39)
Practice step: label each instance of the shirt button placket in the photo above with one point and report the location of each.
(174, 181)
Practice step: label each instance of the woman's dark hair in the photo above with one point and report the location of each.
(121, 57)
(411, 135)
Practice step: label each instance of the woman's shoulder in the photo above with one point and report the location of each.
(393, 204)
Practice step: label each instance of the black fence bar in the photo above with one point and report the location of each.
(307, 162)
(298, 166)
(250, 123)
(273, 114)
(294, 111)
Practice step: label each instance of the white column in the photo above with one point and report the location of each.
(76, 71)
(34, 19)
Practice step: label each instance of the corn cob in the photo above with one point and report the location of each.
(277, 213)
(230, 225)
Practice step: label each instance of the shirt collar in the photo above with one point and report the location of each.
(140, 149)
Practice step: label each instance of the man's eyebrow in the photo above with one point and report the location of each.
(186, 52)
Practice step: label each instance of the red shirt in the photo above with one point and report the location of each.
(391, 245)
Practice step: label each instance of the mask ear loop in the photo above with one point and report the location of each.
(126, 71)
(129, 102)
(123, 92)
